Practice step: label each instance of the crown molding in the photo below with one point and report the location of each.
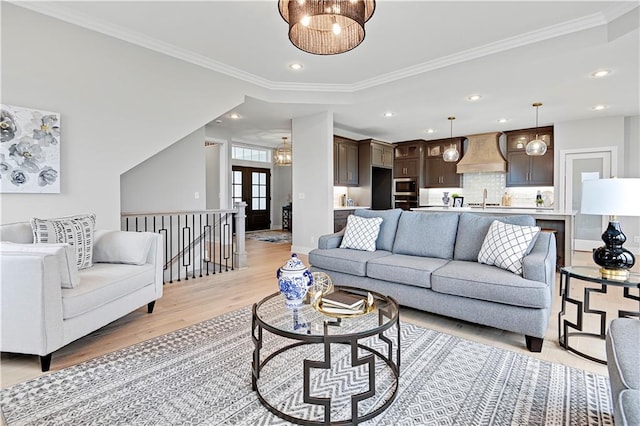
(88, 22)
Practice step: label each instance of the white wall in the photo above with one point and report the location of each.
(119, 105)
(616, 131)
(312, 188)
(212, 171)
(169, 180)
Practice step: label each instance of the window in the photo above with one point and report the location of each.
(236, 185)
(258, 191)
(251, 154)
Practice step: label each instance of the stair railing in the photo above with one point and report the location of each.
(195, 243)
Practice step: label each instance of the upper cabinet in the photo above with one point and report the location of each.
(345, 162)
(381, 154)
(525, 170)
(408, 160)
(439, 173)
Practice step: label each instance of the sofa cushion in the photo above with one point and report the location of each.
(623, 354)
(404, 269)
(361, 233)
(627, 410)
(485, 282)
(65, 254)
(473, 228)
(347, 261)
(122, 247)
(75, 230)
(426, 234)
(505, 245)
(19, 232)
(102, 284)
(388, 227)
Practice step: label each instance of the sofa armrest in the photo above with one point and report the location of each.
(540, 263)
(31, 302)
(330, 241)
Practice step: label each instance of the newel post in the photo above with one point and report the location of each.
(240, 255)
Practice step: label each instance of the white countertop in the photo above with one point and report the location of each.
(498, 210)
(351, 207)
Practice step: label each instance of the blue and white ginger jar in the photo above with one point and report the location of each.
(294, 280)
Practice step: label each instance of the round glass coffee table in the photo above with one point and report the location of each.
(311, 368)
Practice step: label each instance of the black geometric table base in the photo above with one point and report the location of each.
(385, 321)
(584, 307)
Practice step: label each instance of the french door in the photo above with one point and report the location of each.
(253, 186)
(581, 165)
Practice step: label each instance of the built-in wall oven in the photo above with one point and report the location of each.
(405, 202)
(405, 193)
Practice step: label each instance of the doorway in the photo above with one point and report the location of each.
(581, 165)
(253, 186)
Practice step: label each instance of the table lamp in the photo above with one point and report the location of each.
(613, 197)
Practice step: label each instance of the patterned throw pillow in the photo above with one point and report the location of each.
(505, 245)
(74, 230)
(361, 233)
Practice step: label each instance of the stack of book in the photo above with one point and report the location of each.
(341, 302)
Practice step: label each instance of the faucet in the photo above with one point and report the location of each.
(484, 198)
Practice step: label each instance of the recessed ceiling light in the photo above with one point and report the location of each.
(295, 66)
(598, 107)
(473, 98)
(218, 121)
(234, 115)
(430, 131)
(502, 120)
(389, 114)
(600, 73)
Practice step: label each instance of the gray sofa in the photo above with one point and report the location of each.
(623, 359)
(428, 261)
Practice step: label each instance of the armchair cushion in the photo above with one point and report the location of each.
(121, 247)
(75, 230)
(64, 253)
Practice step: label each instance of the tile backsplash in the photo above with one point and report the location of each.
(473, 185)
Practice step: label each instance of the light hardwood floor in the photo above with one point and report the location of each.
(192, 301)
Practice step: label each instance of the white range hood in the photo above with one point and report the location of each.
(482, 155)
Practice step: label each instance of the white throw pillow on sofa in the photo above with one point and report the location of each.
(122, 247)
(65, 253)
(75, 230)
(505, 245)
(361, 233)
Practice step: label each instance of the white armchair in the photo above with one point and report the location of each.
(43, 309)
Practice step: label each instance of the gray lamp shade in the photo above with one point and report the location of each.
(614, 197)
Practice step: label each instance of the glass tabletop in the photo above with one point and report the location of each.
(592, 273)
(305, 320)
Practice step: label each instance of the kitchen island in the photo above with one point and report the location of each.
(558, 222)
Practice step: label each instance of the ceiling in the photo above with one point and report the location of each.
(420, 60)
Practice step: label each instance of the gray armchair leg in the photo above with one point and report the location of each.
(150, 307)
(45, 362)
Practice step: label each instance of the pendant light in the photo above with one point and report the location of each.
(451, 154)
(282, 155)
(536, 147)
(326, 27)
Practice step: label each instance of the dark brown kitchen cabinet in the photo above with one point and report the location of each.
(381, 155)
(340, 219)
(525, 170)
(439, 173)
(408, 160)
(345, 162)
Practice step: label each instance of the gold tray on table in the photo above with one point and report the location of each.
(335, 312)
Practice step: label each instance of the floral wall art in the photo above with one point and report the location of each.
(29, 150)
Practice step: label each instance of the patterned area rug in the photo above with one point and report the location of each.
(201, 375)
(280, 237)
